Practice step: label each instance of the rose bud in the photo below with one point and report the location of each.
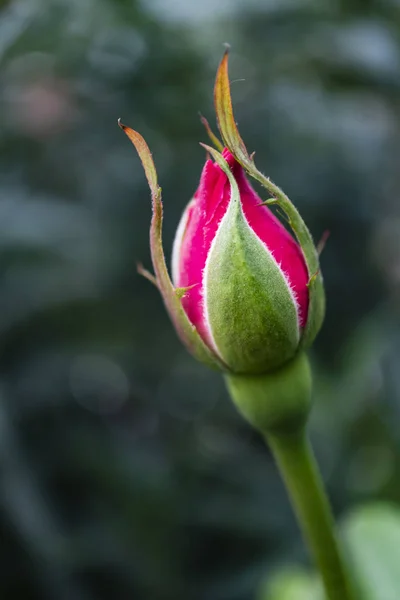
(245, 275)
(245, 296)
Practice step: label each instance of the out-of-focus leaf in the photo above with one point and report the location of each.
(372, 534)
(372, 540)
(292, 583)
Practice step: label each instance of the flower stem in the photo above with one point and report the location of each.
(299, 470)
(278, 404)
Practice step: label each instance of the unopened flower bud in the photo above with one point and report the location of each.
(246, 296)
(244, 274)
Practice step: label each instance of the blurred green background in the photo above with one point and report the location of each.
(125, 471)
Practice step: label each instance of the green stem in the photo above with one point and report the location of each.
(299, 470)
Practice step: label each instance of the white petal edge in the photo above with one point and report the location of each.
(204, 286)
(176, 247)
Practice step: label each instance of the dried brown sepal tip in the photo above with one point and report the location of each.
(224, 110)
(145, 156)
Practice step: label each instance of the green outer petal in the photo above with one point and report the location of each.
(187, 333)
(249, 305)
(233, 141)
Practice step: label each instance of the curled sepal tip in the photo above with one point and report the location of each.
(233, 141)
(145, 156)
(171, 297)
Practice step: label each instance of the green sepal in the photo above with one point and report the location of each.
(274, 403)
(214, 139)
(250, 308)
(172, 298)
(316, 310)
(234, 143)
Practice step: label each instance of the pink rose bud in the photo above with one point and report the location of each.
(245, 275)
(245, 296)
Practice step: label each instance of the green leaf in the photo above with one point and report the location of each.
(372, 535)
(372, 539)
(291, 583)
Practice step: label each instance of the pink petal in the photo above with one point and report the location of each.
(203, 218)
(211, 202)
